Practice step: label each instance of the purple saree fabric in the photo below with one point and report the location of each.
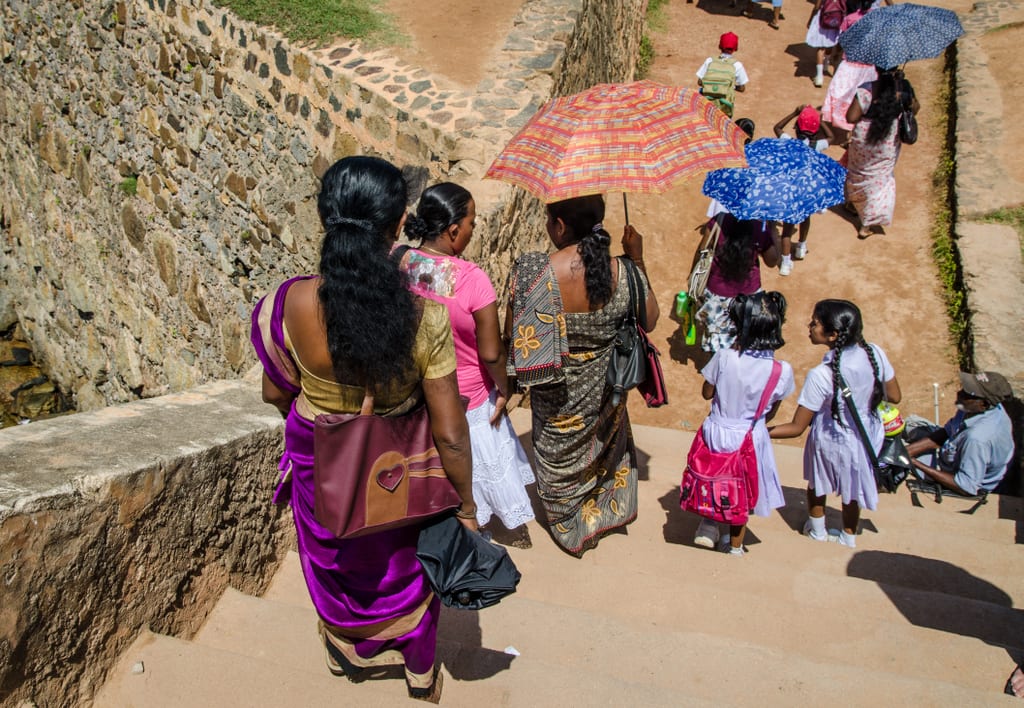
(355, 583)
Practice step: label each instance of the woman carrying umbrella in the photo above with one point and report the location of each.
(875, 147)
(564, 311)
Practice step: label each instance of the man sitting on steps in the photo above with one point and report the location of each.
(971, 453)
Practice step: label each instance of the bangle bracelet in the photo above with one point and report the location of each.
(465, 514)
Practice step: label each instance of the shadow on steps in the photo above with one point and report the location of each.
(932, 593)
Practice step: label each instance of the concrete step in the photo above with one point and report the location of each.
(569, 642)
(181, 673)
(785, 612)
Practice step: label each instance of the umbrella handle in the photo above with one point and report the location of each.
(625, 208)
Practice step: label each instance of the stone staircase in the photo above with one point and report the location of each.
(923, 612)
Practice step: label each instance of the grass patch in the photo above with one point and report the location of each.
(658, 22)
(947, 257)
(129, 185)
(1011, 216)
(320, 22)
(656, 18)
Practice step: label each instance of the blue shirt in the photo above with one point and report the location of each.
(978, 449)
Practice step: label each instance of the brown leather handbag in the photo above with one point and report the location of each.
(373, 473)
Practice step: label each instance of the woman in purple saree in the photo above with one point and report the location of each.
(323, 341)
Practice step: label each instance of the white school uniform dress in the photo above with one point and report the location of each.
(835, 460)
(739, 379)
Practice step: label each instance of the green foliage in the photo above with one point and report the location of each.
(319, 21)
(657, 22)
(947, 257)
(645, 58)
(130, 185)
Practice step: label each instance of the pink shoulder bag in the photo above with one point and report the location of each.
(722, 486)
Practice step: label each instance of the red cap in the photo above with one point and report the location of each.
(728, 42)
(809, 120)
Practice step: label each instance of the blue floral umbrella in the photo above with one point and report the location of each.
(893, 35)
(786, 181)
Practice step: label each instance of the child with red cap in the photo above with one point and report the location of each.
(815, 134)
(722, 76)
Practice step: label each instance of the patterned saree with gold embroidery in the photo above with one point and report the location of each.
(583, 445)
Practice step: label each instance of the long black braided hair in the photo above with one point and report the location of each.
(842, 318)
(369, 314)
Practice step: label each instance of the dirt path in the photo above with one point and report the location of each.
(891, 277)
(456, 38)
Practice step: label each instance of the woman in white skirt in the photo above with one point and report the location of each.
(443, 222)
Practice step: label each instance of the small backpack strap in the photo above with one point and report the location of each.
(773, 379)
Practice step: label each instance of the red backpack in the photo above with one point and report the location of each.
(722, 486)
(832, 14)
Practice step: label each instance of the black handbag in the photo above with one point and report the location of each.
(908, 128)
(889, 472)
(466, 571)
(628, 365)
(907, 119)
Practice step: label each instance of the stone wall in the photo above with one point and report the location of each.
(145, 512)
(986, 180)
(160, 160)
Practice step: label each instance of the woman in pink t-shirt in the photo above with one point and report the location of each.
(443, 222)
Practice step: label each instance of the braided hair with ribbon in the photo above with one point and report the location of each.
(843, 318)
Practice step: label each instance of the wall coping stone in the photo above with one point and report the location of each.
(990, 254)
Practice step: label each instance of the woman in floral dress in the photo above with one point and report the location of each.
(874, 149)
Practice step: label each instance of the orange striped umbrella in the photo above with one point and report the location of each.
(636, 137)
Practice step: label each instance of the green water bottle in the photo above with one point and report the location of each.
(684, 313)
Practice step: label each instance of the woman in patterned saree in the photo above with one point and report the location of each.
(324, 342)
(564, 310)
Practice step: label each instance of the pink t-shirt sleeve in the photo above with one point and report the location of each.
(474, 290)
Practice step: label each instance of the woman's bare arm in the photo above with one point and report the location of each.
(801, 419)
(491, 350)
(277, 396)
(451, 433)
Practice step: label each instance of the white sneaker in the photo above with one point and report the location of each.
(818, 81)
(842, 538)
(725, 546)
(786, 267)
(707, 534)
(799, 250)
(809, 532)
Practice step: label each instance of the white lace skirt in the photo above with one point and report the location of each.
(818, 37)
(500, 469)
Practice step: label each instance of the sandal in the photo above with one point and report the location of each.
(1008, 689)
(337, 663)
(431, 694)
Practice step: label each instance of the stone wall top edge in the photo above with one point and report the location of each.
(82, 452)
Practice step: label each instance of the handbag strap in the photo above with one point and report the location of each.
(847, 394)
(773, 378)
(367, 407)
(637, 298)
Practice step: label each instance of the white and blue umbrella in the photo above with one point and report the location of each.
(786, 181)
(893, 35)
